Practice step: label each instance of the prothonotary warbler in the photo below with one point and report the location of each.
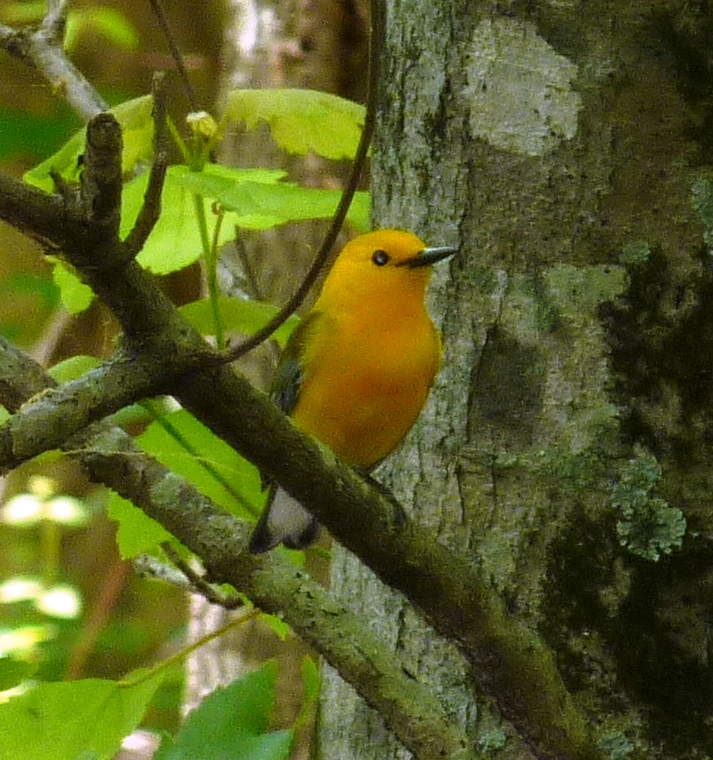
(357, 371)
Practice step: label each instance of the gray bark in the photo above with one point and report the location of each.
(561, 145)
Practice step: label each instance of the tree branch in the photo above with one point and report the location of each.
(42, 50)
(32, 211)
(151, 207)
(160, 15)
(55, 22)
(112, 458)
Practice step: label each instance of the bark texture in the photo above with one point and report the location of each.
(565, 147)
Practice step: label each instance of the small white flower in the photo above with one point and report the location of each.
(66, 510)
(25, 509)
(60, 601)
(18, 589)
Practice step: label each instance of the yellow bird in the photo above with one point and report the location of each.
(357, 371)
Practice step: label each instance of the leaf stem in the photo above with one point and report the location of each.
(159, 417)
(211, 261)
(146, 675)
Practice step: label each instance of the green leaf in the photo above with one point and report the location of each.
(136, 415)
(233, 176)
(239, 315)
(301, 120)
(260, 205)
(251, 198)
(102, 20)
(79, 719)
(137, 532)
(137, 126)
(75, 295)
(74, 367)
(33, 135)
(276, 624)
(175, 242)
(231, 723)
(311, 682)
(13, 672)
(189, 448)
(184, 445)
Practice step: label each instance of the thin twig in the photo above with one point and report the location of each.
(252, 286)
(375, 47)
(151, 207)
(175, 53)
(55, 22)
(146, 566)
(199, 585)
(142, 676)
(97, 618)
(42, 50)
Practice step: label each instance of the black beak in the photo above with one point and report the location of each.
(429, 256)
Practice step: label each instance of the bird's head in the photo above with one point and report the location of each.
(391, 264)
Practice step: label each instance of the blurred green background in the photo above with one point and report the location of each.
(100, 619)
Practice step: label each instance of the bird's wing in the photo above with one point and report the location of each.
(290, 372)
(284, 519)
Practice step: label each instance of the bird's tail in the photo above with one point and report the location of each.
(284, 520)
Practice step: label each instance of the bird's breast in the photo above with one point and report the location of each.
(365, 384)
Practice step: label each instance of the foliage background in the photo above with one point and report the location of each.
(126, 622)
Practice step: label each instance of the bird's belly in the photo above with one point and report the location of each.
(361, 404)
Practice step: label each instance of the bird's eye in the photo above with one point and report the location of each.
(380, 258)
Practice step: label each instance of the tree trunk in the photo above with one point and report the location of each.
(564, 146)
